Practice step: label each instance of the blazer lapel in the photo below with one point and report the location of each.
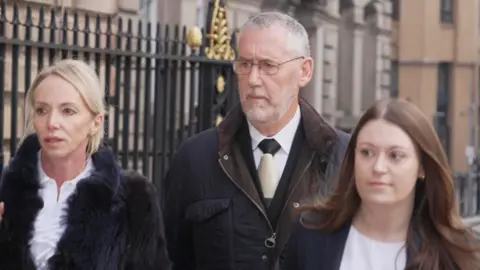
(245, 147)
(231, 163)
(284, 188)
(335, 244)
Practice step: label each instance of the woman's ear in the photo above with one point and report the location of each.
(97, 123)
(421, 173)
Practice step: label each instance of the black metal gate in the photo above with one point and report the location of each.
(159, 91)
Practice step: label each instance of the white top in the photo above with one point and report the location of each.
(364, 253)
(48, 227)
(284, 137)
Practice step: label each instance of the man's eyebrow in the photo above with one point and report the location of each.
(240, 58)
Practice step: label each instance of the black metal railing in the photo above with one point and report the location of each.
(158, 90)
(467, 186)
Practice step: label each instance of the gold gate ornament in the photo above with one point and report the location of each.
(194, 38)
(219, 39)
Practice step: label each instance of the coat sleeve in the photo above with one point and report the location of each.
(146, 241)
(178, 229)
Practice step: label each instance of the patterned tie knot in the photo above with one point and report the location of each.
(269, 146)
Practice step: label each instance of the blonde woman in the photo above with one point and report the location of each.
(65, 203)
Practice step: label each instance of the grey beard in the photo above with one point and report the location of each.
(277, 115)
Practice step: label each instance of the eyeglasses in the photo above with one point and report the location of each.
(267, 67)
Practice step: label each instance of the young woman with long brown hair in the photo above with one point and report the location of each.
(394, 207)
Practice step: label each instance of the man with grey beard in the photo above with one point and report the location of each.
(231, 189)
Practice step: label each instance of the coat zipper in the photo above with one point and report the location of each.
(271, 241)
(296, 185)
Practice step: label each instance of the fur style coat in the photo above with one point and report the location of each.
(113, 220)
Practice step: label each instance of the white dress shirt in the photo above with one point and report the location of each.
(364, 253)
(48, 227)
(284, 137)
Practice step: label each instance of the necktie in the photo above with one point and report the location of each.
(267, 171)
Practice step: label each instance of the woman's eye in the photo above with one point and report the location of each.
(366, 153)
(68, 111)
(40, 111)
(396, 155)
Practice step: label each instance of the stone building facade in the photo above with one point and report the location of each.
(350, 42)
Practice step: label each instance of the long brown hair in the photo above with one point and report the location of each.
(445, 242)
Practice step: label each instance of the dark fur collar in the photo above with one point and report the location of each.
(97, 227)
(25, 162)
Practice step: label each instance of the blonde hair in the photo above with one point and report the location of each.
(84, 79)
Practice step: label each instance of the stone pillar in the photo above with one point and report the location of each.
(370, 67)
(330, 62)
(314, 93)
(358, 59)
(346, 50)
(320, 92)
(385, 47)
(383, 67)
(330, 74)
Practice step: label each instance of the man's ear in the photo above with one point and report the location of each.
(306, 72)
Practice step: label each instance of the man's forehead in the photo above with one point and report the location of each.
(262, 46)
(258, 51)
(263, 33)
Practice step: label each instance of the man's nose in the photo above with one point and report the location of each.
(254, 76)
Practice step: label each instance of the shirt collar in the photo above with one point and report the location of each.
(43, 177)
(284, 137)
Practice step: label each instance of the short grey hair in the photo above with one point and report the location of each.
(298, 41)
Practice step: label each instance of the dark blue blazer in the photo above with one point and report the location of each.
(317, 250)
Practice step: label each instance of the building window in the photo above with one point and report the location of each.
(143, 4)
(442, 122)
(395, 10)
(345, 5)
(446, 11)
(394, 79)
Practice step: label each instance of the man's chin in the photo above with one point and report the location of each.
(258, 116)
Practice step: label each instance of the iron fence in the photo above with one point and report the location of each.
(158, 90)
(467, 186)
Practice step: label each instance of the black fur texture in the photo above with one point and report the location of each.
(113, 219)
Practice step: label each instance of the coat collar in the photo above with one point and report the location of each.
(336, 241)
(25, 162)
(92, 229)
(320, 135)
